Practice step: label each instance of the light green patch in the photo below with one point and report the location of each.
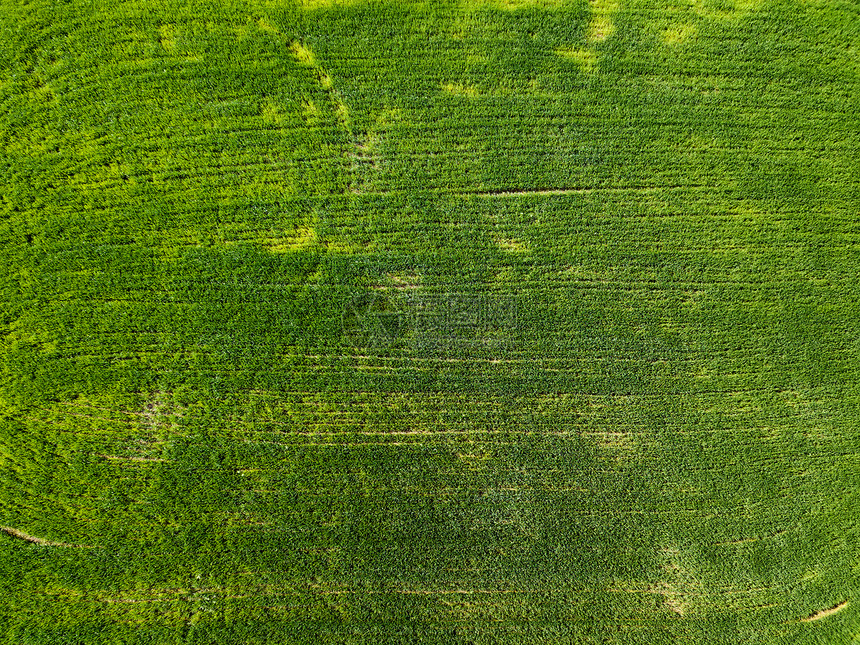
(325, 80)
(680, 588)
(703, 373)
(736, 10)
(748, 211)
(241, 32)
(512, 245)
(303, 54)
(168, 37)
(536, 88)
(697, 143)
(678, 34)
(272, 112)
(266, 26)
(585, 58)
(142, 63)
(458, 89)
(511, 5)
(578, 273)
(306, 57)
(342, 247)
(616, 445)
(301, 238)
(326, 4)
(310, 112)
(602, 25)
(400, 282)
(389, 116)
(744, 8)
(368, 144)
(341, 111)
(42, 94)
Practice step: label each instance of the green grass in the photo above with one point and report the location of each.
(491, 321)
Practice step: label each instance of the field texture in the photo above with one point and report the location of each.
(442, 322)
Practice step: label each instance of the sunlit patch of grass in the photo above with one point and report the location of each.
(678, 34)
(512, 5)
(303, 54)
(585, 58)
(325, 80)
(167, 37)
(512, 245)
(602, 25)
(725, 9)
(616, 445)
(341, 111)
(399, 282)
(241, 32)
(680, 588)
(325, 4)
(458, 89)
(265, 25)
(272, 112)
(301, 238)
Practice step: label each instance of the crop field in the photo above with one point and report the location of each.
(446, 322)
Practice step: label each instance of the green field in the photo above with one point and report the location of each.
(440, 322)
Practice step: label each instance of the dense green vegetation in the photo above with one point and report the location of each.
(455, 321)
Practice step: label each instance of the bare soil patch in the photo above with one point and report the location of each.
(37, 540)
(824, 613)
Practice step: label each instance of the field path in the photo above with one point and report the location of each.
(37, 540)
(824, 613)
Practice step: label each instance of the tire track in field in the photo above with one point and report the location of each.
(305, 57)
(357, 148)
(40, 541)
(824, 613)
